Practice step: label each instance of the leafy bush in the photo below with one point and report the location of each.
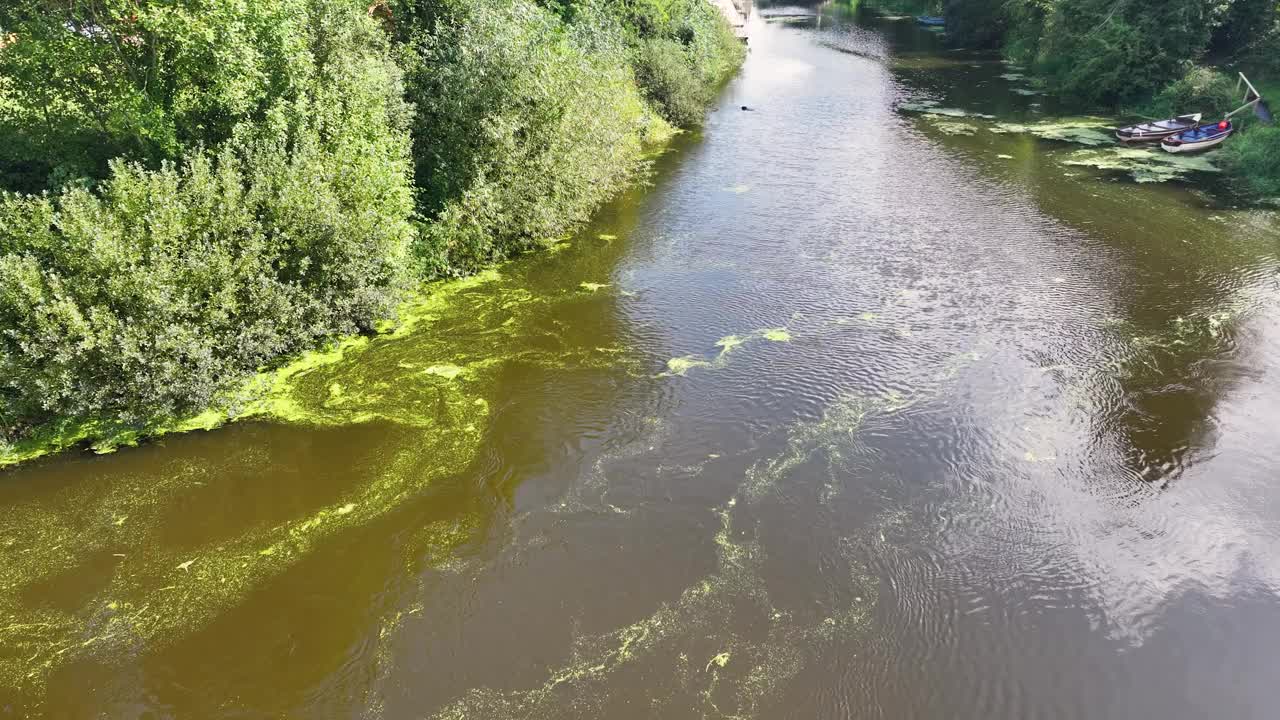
(669, 80)
(519, 134)
(1199, 90)
(154, 292)
(91, 81)
(681, 50)
(975, 23)
(1099, 52)
(1255, 157)
(222, 183)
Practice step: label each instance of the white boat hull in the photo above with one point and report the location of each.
(1154, 132)
(1187, 147)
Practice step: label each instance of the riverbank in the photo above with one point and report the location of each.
(1018, 408)
(1103, 56)
(157, 251)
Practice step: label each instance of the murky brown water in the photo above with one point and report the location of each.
(853, 414)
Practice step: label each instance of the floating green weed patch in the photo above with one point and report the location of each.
(155, 593)
(832, 437)
(1082, 131)
(1145, 165)
(955, 128)
(749, 667)
(930, 107)
(683, 364)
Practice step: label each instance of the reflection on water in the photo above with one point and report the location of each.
(877, 404)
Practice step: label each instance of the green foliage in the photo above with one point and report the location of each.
(670, 81)
(681, 50)
(1199, 90)
(218, 183)
(96, 79)
(525, 125)
(1242, 24)
(150, 298)
(159, 289)
(1254, 156)
(1102, 53)
(1108, 52)
(975, 23)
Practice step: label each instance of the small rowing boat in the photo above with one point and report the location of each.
(1156, 131)
(1203, 137)
(1198, 138)
(931, 20)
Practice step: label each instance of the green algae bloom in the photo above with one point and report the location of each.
(414, 375)
(955, 128)
(680, 366)
(1081, 131)
(447, 372)
(930, 107)
(719, 660)
(1144, 165)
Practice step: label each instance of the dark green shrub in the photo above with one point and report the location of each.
(220, 184)
(1254, 156)
(92, 81)
(520, 132)
(1199, 90)
(975, 23)
(669, 80)
(1103, 53)
(149, 299)
(154, 292)
(682, 63)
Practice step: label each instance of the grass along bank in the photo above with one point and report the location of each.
(194, 194)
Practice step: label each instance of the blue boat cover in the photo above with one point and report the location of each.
(1202, 133)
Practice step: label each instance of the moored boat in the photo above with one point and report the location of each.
(931, 20)
(1159, 130)
(1198, 138)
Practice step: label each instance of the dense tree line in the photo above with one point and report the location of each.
(1151, 55)
(191, 189)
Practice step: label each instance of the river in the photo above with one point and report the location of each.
(869, 406)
